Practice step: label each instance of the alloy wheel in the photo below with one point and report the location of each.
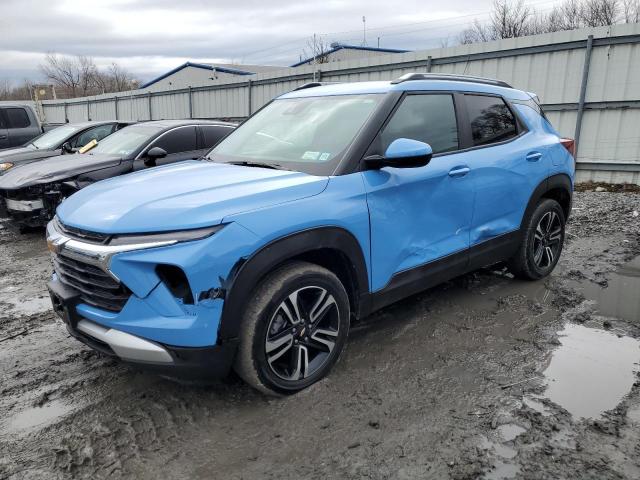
(547, 240)
(302, 333)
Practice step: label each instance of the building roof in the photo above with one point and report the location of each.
(219, 67)
(340, 46)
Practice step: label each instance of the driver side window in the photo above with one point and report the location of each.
(429, 118)
(182, 139)
(94, 133)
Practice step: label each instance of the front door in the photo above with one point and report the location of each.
(420, 217)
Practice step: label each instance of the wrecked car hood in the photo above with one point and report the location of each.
(21, 155)
(53, 169)
(185, 195)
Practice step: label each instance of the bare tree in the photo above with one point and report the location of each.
(599, 13)
(477, 32)
(23, 91)
(631, 11)
(79, 76)
(317, 48)
(510, 19)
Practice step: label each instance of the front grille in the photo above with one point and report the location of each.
(96, 287)
(82, 235)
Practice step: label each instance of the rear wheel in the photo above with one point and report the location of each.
(542, 242)
(293, 329)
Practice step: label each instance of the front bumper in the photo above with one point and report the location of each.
(180, 362)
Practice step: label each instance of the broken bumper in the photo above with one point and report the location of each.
(179, 362)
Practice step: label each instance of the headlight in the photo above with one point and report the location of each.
(5, 166)
(161, 237)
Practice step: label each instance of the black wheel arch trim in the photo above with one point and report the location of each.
(558, 181)
(248, 272)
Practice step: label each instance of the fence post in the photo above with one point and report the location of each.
(88, 110)
(319, 75)
(583, 92)
(249, 97)
(429, 59)
(190, 103)
(115, 104)
(149, 105)
(66, 116)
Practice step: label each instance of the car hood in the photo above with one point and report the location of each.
(186, 195)
(24, 155)
(54, 169)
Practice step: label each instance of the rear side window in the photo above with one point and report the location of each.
(428, 118)
(181, 139)
(491, 119)
(94, 133)
(17, 117)
(212, 135)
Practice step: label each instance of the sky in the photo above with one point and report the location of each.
(150, 37)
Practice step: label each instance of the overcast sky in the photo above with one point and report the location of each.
(149, 37)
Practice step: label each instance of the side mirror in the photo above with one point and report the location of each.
(154, 154)
(67, 148)
(402, 153)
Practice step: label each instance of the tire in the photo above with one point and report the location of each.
(284, 349)
(542, 242)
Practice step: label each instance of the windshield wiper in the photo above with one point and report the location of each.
(273, 166)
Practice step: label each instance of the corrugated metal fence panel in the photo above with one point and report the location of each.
(550, 65)
(77, 112)
(136, 109)
(170, 106)
(55, 114)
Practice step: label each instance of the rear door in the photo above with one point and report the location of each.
(21, 127)
(180, 144)
(4, 132)
(507, 163)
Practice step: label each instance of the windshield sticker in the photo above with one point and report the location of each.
(324, 156)
(310, 155)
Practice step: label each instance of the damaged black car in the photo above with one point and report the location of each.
(59, 141)
(32, 192)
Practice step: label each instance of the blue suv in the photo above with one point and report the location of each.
(332, 201)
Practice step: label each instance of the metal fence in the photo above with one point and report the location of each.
(588, 81)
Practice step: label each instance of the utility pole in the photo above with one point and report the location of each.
(364, 31)
(315, 57)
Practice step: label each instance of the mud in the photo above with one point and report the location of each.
(482, 377)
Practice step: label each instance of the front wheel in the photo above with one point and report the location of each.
(293, 329)
(542, 242)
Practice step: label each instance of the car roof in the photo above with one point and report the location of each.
(165, 124)
(414, 82)
(81, 125)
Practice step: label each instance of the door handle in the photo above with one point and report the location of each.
(459, 171)
(2, 137)
(534, 156)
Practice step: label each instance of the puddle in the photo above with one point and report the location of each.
(536, 405)
(36, 416)
(591, 371)
(502, 471)
(510, 431)
(620, 298)
(499, 449)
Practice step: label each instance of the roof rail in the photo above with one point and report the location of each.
(313, 85)
(448, 76)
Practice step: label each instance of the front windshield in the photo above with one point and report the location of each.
(53, 138)
(306, 134)
(126, 141)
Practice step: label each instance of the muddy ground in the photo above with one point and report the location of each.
(482, 377)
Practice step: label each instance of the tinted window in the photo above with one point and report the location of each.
(213, 135)
(95, 133)
(17, 117)
(181, 139)
(491, 119)
(427, 118)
